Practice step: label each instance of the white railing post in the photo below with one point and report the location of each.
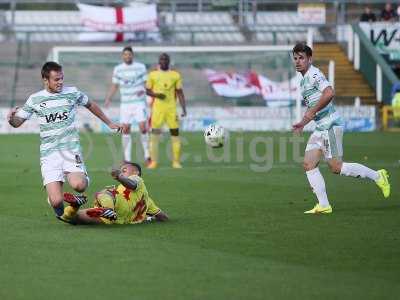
(350, 43)
(55, 55)
(356, 52)
(331, 73)
(310, 37)
(378, 83)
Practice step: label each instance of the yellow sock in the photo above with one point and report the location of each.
(69, 213)
(176, 148)
(154, 141)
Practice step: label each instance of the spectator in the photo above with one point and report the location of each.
(388, 13)
(368, 15)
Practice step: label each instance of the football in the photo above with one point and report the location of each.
(214, 136)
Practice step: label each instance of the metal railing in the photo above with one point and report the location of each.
(371, 64)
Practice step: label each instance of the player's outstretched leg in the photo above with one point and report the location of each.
(317, 182)
(101, 212)
(75, 201)
(380, 177)
(127, 142)
(92, 216)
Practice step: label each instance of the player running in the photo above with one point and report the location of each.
(60, 149)
(327, 138)
(164, 85)
(130, 77)
(127, 203)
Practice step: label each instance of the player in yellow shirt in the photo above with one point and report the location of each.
(165, 85)
(127, 203)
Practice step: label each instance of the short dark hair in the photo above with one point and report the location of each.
(48, 67)
(127, 48)
(302, 47)
(137, 166)
(165, 54)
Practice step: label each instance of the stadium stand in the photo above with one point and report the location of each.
(39, 26)
(201, 27)
(278, 28)
(187, 28)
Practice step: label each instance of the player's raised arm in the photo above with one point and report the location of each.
(125, 181)
(96, 110)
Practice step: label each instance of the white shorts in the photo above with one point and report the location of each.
(329, 141)
(56, 165)
(133, 112)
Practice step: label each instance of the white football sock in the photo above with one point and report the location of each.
(317, 183)
(358, 170)
(144, 138)
(127, 146)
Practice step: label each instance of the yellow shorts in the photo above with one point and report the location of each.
(161, 116)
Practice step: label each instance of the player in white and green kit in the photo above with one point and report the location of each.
(130, 77)
(327, 138)
(60, 150)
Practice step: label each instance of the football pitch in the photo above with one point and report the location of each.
(237, 228)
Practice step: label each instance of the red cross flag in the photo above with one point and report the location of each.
(236, 85)
(116, 23)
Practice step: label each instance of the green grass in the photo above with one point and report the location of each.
(234, 233)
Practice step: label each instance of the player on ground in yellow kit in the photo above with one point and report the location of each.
(127, 203)
(165, 85)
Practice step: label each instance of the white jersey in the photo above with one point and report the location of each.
(131, 79)
(56, 114)
(312, 85)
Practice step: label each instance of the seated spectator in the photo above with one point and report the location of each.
(388, 13)
(368, 15)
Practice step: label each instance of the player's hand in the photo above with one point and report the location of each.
(298, 127)
(161, 216)
(116, 127)
(183, 114)
(115, 173)
(12, 113)
(160, 96)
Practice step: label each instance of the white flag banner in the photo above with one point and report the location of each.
(117, 20)
(232, 84)
(278, 93)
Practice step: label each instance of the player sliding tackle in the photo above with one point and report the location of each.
(127, 203)
(327, 138)
(60, 149)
